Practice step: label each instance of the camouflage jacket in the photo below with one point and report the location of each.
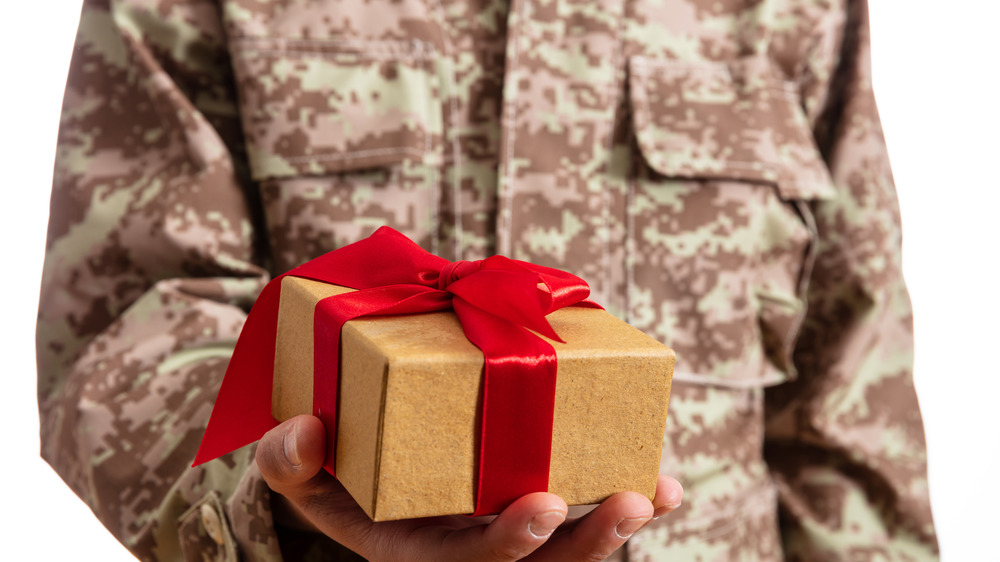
(714, 169)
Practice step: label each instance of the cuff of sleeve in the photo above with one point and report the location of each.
(231, 526)
(203, 528)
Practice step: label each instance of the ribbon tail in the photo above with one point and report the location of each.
(518, 407)
(242, 412)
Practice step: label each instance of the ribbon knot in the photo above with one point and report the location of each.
(457, 270)
(501, 304)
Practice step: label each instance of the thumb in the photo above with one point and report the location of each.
(292, 453)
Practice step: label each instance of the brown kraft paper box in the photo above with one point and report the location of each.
(407, 443)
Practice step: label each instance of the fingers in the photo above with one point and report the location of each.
(290, 458)
(669, 496)
(517, 532)
(525, 529)
(292, 453)
(603, 531)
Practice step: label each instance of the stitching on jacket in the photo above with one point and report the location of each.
(617, 84)
(650, 62)
(806, 275)
(357, 154)
(364, 55)
(293, 43)
(505, 243)
(646, 68)
(436, 207)
(629, 244)
(449, 129)
(737, 383)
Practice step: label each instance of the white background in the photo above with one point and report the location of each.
(937, 86)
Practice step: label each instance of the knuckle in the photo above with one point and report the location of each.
(592, 556)
(596, 553)
(357, 533)
(399, 548)
(329, 505)
(500, 552)
(365, 542)
(390, 547)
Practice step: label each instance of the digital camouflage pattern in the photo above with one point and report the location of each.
(714, 168)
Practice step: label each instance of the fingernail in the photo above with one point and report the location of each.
(626, 527)
(544, 524)
(664, 509)
(290, 445)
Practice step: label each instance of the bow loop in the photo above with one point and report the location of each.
(564, 288)
(511, 295)
(384, 258)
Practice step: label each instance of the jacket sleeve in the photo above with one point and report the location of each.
(845, 440)
(151, 264)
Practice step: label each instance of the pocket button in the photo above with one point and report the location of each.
(212, 523)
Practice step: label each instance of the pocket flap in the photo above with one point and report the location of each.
(739, 121)
(324, 106)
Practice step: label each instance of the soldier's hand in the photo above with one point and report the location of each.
(290, 458)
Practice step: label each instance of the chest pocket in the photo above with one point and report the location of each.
(726, 161)
(738, 121)
(314, 107)
(343, 135)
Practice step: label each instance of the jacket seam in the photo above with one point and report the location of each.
(358, 153)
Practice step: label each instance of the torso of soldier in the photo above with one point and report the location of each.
(661, 150)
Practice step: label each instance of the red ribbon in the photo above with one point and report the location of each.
(498, 301)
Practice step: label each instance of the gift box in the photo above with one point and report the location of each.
(410, 398)
(461, 387)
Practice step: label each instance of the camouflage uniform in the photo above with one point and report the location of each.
(714, 168)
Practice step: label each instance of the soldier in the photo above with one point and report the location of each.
(714, 170)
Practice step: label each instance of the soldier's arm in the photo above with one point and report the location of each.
(845, 440)
(149, 269)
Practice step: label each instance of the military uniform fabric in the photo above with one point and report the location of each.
(714, 169)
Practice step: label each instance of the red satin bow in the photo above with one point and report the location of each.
(497, 301)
